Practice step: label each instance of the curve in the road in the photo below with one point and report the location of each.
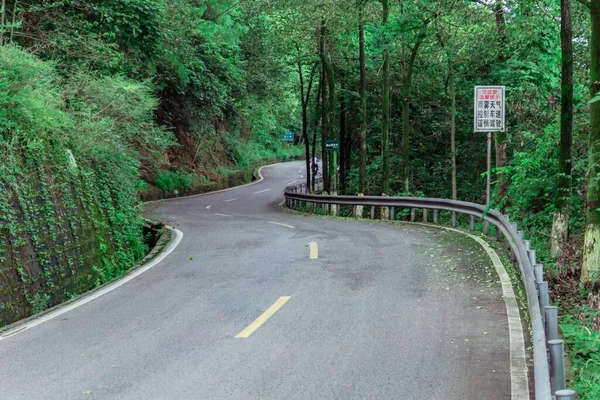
(382, 311)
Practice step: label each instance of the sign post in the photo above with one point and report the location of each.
(489, 116)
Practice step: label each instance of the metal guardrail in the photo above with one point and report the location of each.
(548, 349)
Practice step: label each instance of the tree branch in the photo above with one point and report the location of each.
(586, 3)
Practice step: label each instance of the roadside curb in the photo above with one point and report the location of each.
(166, 244)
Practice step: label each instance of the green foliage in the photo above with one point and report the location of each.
(69, 178)
(170, 181)
(585, 353)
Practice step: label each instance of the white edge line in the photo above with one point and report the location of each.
(230, 200)
(101, 292)
(259, 172)
(224, 215)
(518, 361)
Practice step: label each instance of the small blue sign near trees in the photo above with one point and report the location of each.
(288, 137)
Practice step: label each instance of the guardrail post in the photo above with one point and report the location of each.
(557, 365)
(538, 273)
(372, 212)
(551, 323)
(566, 394)
(486, 227)
(413, 215)
(424, 215)
(527, 244)
(393, 213)
(453, 218)
(532, 258)
(471, 222)
(544, 298)
(435, 216)
(498, 234)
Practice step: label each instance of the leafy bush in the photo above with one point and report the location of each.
(585, 353)
(170, 181)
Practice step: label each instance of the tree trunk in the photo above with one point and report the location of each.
(500, 138)
(14, 21)
(452, 125)
(314, 138)
(363, 108)
(562, 202)
(406, 84)
(330, 114)
(324, 154)
(304, 102)
(2, 19)
(324, 125)
(385, 108)
(343, 144)
(591, 245)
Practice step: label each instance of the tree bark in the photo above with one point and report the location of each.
(385, 107)
(2, 19)
(314, 138)
(562, 202)
(324, 155)
(343, 144)
(330, 114)
(363, 103)
(304, 125)
(14, 20)
(406, 84)
(591, 245)
(500, 138)
(305, 99)
(452, 89)
(324, 126)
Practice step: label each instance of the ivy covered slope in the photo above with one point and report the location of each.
(68, 181)
(104, 103)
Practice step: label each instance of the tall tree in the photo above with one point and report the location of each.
(305, 100)
(562, 202)
(385, 107)
(591, 244)
(363, 103)
(329, 116)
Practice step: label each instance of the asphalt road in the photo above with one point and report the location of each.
(381, 312)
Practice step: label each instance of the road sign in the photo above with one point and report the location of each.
(332, 145)
(490, 109)
(288, 137)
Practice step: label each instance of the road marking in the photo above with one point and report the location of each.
(262, 191)
(258, 322)
(280, 224)
(518, 360)
(60, 310)
(314, 250)
(291, 182)
(208, 207)
(224, 215)
(227, 201)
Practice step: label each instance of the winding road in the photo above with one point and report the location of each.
(258, 303)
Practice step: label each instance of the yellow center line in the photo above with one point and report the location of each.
(314, 250)
(263, 318)
(280, 224)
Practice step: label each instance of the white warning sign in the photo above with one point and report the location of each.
(489, 109)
